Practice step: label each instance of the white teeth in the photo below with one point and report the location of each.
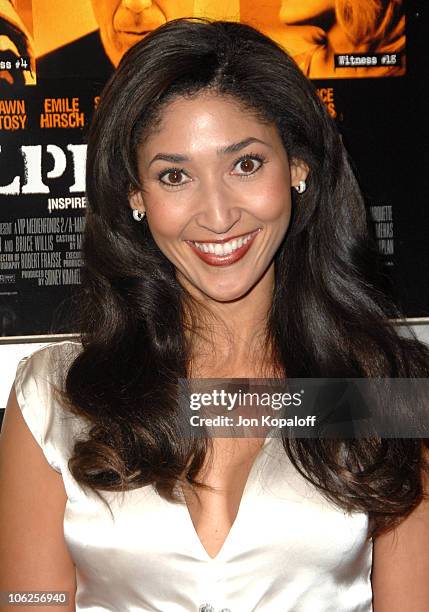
(222, 249)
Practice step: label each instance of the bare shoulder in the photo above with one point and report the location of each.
(401, 561)
(33, 553)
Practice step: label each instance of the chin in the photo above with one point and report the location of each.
(229, 294)
(225, 298)
(218, 290)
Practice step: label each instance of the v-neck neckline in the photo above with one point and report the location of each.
(241, 507)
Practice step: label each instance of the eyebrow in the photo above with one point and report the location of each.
(177, 158)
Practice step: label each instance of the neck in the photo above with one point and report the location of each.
(230, 338)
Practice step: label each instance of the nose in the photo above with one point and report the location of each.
(137, 6)
(219, 210)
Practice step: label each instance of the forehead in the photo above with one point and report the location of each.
(207, 119)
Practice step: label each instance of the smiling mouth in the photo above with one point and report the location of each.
(223, 252)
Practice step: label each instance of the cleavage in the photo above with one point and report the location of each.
(228, 471)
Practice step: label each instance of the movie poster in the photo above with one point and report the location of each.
(362, 56)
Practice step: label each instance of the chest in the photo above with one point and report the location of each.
(226, 471)
(285, 544)
(258, 502)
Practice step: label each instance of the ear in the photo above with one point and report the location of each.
(135, 200)
(298, 171)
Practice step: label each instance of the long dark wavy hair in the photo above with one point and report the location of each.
(326, 319)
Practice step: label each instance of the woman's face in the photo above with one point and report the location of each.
(213, 175)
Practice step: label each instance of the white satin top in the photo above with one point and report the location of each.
(289, 549)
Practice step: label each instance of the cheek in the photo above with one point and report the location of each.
(178, 8)
(165, 220)
(103, 13)
(272, 202)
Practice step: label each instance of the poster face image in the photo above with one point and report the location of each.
(17, 55)
(341, 38)
(74, 47)
(117, 26)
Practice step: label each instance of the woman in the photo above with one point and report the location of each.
(225, 237)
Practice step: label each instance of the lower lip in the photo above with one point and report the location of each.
(223, 260)
(132, 37)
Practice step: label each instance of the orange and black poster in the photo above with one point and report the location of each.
(365, 58)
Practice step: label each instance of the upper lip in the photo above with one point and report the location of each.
(223, 240)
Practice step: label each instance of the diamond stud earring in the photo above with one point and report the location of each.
(137, 215)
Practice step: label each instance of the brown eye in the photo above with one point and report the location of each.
(174, 177)
(247, 165)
